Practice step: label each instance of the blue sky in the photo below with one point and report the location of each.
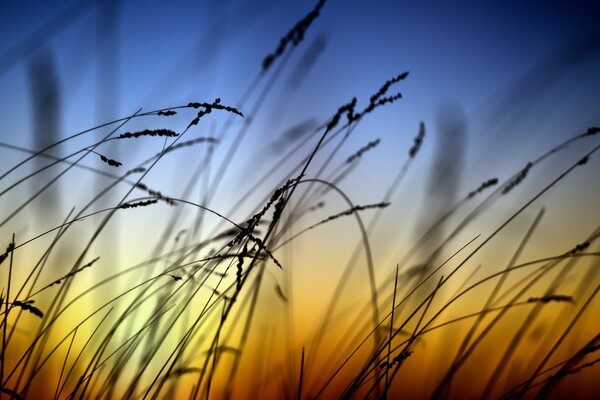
(523, 73)
(514, 78)
(471, 51)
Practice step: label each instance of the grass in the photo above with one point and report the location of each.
(211, 306)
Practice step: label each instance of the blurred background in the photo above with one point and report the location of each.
(496, 84)
(522, 76)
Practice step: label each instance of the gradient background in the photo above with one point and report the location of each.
(516, 78)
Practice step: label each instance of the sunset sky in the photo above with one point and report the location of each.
(497, 84)
(520, 78)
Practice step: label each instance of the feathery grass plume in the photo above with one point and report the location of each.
(584, 160)
(142, 203)
(174, 277)
(592, 349)
(418, 141)
(278, 210)
(347, 212)
(517, 179)
(374, 102)
(231, 232)
(9, 249)
(166, 113)
(586, 365)
(239, 270)
(347, 109)
(110, 161)
(483, 186)
(11, 393)
(573, 371)
(155, 193)
(377, 100)
(166, 199)
(249, 254)
(256, 218)
(207, 109)
(148, 132)
(549, 298)
(247, 233)
(264, 248)
(280, 294)
(27, 306)
(69, 275)
(591, 131)
(580, 247)
(404, 354)
(362, 150)
(383, 90)
(295, 35)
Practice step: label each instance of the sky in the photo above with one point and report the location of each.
(522, 74)
(469, 51)
(496, 83)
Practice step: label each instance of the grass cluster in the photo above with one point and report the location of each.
(209, 308)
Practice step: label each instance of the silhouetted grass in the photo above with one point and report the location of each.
(182, 320)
